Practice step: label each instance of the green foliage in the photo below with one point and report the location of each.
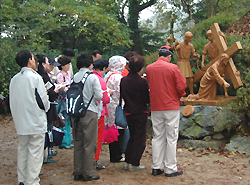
(59, 24)
(224, 19)
(8, 68)
(243, 95)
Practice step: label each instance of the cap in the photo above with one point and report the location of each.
(100, 63)
(53, 62)
(166, 49)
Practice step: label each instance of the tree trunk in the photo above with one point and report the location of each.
(133, 24)
(134, 9)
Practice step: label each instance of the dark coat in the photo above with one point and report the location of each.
(135, 92)
(52, 113)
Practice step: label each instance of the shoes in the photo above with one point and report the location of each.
(21, 183)
(66, 147)
(52, 152)
(179, 172)
(156, 172)
(94, 177)
(99, 167)
(125, 166)
(78, 177)
(81, 178)
(120, 160)
(48, 161)
(135, 168)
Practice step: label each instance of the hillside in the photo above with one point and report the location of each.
(241, 27)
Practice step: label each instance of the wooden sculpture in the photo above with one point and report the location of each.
(214, 73)
(183, 50)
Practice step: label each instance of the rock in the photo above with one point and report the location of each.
(207, 120)
(218, 136)
(239, 144)
(207, 138)
(201, 144)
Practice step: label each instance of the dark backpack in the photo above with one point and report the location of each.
(74, 98)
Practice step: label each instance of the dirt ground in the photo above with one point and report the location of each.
(200, 166)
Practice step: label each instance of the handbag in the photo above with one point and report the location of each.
(60, 122)
(120, 116)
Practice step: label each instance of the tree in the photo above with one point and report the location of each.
(60, 24)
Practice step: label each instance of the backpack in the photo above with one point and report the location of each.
(74, 98)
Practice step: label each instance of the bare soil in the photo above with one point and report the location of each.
(200, 166)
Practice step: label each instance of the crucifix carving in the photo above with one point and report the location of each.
(222, 46)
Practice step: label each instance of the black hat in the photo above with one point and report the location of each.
(100, 63)
(52, 61)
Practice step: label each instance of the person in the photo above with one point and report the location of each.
(30, 120)
(113, 78)
(214, 73)
(46, 64)
(167, 86)
(183, 50)
(64, 77)
(97, 54)
(66, 52)
(135, 92)
(85, 130)
(211, 48)
(100, 66)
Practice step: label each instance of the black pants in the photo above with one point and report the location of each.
(115, 148)
(137, 124)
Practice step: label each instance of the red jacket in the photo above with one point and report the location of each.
(166, 84)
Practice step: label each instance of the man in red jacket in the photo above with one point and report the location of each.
(167, 86)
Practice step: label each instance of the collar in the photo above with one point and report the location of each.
(23, 69)
(163, 59)
(97, 73)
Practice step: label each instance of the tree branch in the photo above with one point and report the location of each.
(146, 5)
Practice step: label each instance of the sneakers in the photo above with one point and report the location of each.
(122, 159)
(135, 168)
(52, 152)
(125, 166)
(179, 172)
(99, 167)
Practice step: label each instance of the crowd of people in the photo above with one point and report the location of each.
(38, 99)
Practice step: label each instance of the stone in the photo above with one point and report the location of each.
(238, 144)
(207, 138)
(218, 136)
(201, 144)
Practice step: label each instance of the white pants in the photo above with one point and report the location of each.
(165, 126)
(30, 158)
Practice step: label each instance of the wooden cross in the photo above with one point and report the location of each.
(222, 46)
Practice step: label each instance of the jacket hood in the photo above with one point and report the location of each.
(117, 64)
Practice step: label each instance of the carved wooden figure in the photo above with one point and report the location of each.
(184, 49)
(222, 48)
(210, 48)
(214, 73)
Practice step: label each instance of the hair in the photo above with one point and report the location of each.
(84, 60)
(63, 60)
(209, 32)
(136, 62)
(40, 58)
(164, 51)
(129, 54)
(188, 34)
(104, 64)
(23, 57)
(68, 52)
(94, 53)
